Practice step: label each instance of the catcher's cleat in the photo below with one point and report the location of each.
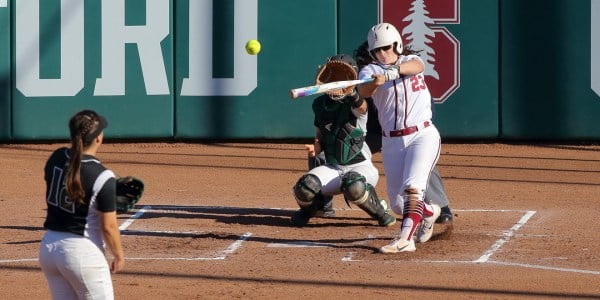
(399, 245)
(300, 218)
(445, 216)
(386, 220)
(425, 230)
(327, 210)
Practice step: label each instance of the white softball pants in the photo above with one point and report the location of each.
(331, 176)
(75, 268)
(408, 161)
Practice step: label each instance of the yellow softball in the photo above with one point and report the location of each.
(253, 47)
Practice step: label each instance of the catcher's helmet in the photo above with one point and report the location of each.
(384, 34)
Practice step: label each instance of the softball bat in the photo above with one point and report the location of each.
(326, 87)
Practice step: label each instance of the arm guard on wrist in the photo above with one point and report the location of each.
(355, 99)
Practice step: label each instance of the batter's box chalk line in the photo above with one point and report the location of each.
(485, 257)
(221, 255)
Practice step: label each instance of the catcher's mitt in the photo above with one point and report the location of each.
(129, 192)
(338, 68)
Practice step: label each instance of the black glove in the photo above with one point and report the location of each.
(129, 192)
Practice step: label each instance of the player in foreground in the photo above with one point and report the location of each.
(340, 119)
(81, 216)
(411, 143)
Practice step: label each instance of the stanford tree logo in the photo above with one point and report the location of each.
(420, 24)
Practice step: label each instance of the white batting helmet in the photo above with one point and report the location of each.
(384, 34)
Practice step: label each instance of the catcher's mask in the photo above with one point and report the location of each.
(340, 67)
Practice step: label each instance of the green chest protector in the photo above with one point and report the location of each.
(341, 139)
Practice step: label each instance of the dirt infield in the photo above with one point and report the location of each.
(213, 224)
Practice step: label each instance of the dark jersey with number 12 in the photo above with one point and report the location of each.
(100, 194)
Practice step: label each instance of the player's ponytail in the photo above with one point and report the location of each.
(73, 180)
(85, 126)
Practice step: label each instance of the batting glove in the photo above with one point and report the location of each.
(392, 73)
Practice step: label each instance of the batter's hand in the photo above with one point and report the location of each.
(380, 79)
(392, 73)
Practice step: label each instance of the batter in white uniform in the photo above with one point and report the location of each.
(410, 143)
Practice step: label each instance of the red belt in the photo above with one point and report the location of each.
(406, 131)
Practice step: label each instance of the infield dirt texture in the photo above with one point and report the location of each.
(213, 224)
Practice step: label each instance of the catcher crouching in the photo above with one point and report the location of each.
(342, 160)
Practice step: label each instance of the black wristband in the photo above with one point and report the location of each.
(355, 99)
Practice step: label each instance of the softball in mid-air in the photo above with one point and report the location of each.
(253, 47)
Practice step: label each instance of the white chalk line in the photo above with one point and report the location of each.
(544, 267)
(219, 256)
(123, 228)
(485, 258)
(349, 257)
(17, 260)
(299, 244)
(505, 238)
(136, 216)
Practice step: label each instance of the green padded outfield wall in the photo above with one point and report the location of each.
(547, 86)
(115, 58)
(5, 112)
(176, 69)
(222, 92)
(354, 20)
(220, 100)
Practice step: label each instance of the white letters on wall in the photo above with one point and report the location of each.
(200, 81)
(27, 50)
(115, 35)
(148, 37)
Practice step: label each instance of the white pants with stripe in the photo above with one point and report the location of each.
(408, 161)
